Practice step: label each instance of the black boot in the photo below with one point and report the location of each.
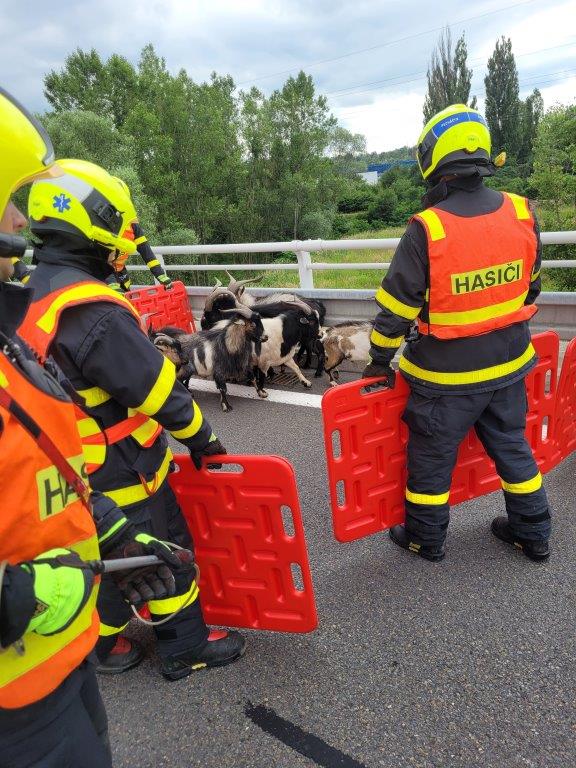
(223, 647)
(124, 655)
(399, 536)
(535, 550)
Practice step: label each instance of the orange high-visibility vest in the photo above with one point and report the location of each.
(480, 269)
(41, 511)
(39, 329)
(41, 322)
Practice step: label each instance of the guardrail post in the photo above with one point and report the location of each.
(304, 269)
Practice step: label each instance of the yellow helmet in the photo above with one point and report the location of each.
(25, 148)
(84, 200)
(456, 134)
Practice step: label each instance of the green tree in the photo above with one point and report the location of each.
(502, 99)
(449, 79)
(554, 178)
(531, 111)
(89, 84)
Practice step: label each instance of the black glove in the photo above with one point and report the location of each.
(152, 582)
(381, 371)
(214, 448)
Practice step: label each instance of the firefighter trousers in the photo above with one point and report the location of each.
(67, 729)
(437, 425)
(160, 516)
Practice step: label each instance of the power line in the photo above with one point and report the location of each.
(422, 75)
(543, 78)
(382, 45)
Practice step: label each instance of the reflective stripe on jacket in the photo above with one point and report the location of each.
(480, 269)
(41, 512)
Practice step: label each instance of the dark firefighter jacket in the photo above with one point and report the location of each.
(121, 278)
(407, 281)
(117, 373)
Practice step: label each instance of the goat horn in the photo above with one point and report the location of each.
(217, 283)
(240, 309)
(214, 295)
(301, 305)
(234, 285)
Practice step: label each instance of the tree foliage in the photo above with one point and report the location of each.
(449, 79)
(502, 99)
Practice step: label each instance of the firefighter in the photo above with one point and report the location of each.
(468, 270)
(51, 712)
(120, 280)
(128, 393)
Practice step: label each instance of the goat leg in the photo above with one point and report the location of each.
(221, 384)
(259, 379)
(319, 347)
(301, 378)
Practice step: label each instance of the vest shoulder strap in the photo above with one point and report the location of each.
(433, 224)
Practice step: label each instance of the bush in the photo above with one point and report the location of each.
(384, 207)
(349, 225)
(316, 224)
(356, 198)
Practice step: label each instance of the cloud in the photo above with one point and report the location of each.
(378, 91)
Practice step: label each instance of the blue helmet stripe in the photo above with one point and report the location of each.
(452, 120)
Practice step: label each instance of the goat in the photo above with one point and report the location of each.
(345, 341)
(238, 288)
(226, 352)
(285, 333)
(171, 347)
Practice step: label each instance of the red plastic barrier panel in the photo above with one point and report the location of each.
(565, 423)
(164, 307)
(249, 541)
(365, 442)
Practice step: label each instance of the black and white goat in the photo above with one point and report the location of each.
(224, 353)
(258, 304)
(287, 331)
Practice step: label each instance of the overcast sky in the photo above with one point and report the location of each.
(368, 56)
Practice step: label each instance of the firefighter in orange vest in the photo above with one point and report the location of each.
(128, 394)
(468, 271)
(51, 712)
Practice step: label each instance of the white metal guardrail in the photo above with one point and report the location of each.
(303, 250)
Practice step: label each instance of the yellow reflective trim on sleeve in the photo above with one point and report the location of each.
(48, 320)
(140, 240)
(94, 396)
(152, 263)
(535, 276)
(14, 259)
(132, 494)
(88, 427)
(528, 486)
(434, 499)
(192, 428)
(520, 205)
(94, 454)
(380, 340)
(388, 301)
(106, 630)
(161, 390)
(172, 604)
(433, 224)
(472, 316)
(468, 377)
(143, 433)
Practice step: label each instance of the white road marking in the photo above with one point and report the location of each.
(304, 399)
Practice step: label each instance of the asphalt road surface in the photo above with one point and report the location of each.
(467, 663)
